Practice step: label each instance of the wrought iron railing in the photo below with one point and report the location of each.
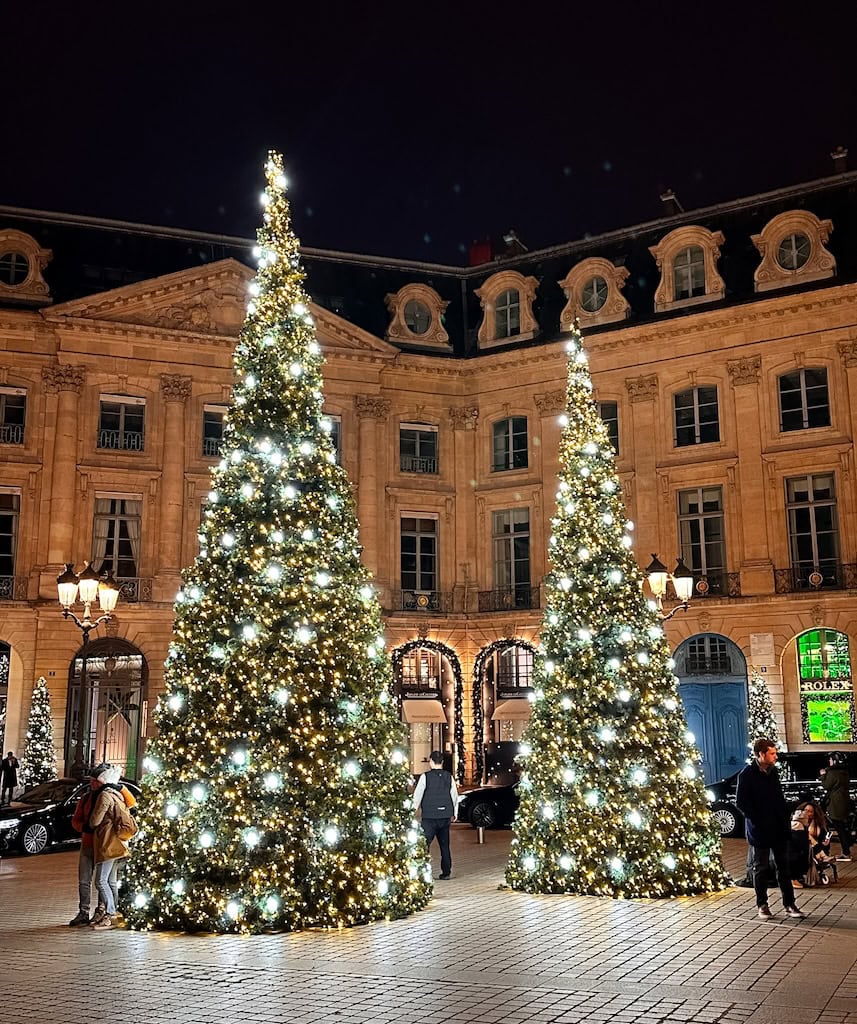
(715, 665)
(417, 464)
(507, 598)
(123, 440)
(420, 601)
(133, 589)
(13, 588)
(211, 447)
(12, 433)
(718, 583)
(808, 578)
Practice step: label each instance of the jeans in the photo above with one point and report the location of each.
(761, 858)
(85, 871)
(106, 894)
(844, 834)
(439, 827)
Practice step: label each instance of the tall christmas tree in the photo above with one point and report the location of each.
(39, 763)
(760, 710)
(276, 793)
(612, 797)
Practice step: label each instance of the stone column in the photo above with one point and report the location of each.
(175, 391)
(643, 393)
(756, 567)
(551, 406)
(371, 410)
(463, 421)
(65, 382)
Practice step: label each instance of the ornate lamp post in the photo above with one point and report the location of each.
(87, 586)
(682, 579)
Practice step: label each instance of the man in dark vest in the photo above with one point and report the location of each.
(437, 795)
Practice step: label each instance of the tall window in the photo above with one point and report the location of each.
(514, 668)
(116, 537)
(696, 417)
(813, 527)
(507, 314)
(510, 444)
(417, 448)
(121, 424)
(9, 510)
(419, 554)
(335, 435)
(708, 655)
(212, 430)
(826, 687)
(700, 524)
(609, 413)
(512, 554)
(804, 401)
(13, 414)
(689, 272)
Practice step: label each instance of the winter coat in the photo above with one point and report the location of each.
(106, 844)
(760, 799)
(83, 810)
(10, 772)
(835, 781)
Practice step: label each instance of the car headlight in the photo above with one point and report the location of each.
(9, 823)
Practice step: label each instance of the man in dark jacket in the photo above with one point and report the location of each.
(437, 795)
(9, 773)
(836, 782)
(760, 799)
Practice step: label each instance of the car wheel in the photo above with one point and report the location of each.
(483, 815)
(729, 820)
(35, 837)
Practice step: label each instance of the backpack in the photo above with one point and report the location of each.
(123, 819)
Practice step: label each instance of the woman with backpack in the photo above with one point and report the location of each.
(112, 826)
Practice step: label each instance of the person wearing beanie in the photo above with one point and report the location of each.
(836, 783)
(86, 863)
(437, 795)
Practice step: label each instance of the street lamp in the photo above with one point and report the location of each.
(88, 585)
(682, 579)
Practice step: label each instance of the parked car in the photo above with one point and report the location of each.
(491, 806)
(41, 816)
(801, 779)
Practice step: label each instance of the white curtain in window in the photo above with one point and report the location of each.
(100, 533)
(133, 523)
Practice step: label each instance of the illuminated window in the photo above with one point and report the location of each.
(826, 689)
(609, 413)
(212, 430)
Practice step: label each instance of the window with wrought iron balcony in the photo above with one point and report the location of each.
(418, 448)
(121, 425)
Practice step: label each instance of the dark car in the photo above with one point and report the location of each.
(800, 774)
(492, 806)
(41, 816)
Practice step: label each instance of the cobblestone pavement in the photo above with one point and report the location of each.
(478, 954)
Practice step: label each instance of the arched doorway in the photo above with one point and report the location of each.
(429, 687)
(712, 674)
(113, 701)
(502, 685)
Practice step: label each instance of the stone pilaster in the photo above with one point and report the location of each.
(175, 391)
(372, 411)
(643, 393)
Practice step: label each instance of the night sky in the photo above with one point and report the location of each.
(412, 129)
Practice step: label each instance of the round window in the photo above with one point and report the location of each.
(14, 267)
(417, 316)
(594, 294)
(793, 251)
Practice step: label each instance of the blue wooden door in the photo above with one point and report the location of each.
(716, 714)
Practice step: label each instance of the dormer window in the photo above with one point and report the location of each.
(593, 292)
(416, 316)
(793, 251)
(22, 261)
(14, 267)
(687, 258)
(507, 304)
(507, 314)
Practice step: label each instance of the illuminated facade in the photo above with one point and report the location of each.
(723, 346)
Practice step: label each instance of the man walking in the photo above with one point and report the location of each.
(837, 784)
(437, 794)
(760, 799)
(9, 772)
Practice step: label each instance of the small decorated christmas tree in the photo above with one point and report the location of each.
(277, 791)
(612, 800)
(760, 710)
(39, 763)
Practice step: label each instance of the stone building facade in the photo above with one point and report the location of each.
(723, 346)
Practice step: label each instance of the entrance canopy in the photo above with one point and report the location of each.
(423, 711)
(516, 709)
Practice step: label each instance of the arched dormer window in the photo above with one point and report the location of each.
(687, 259)
(793, 251)
(507, 304)
(22, 261)
(416, 316)
(593, 292)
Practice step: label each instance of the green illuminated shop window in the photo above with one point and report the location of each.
(829, 721)
(823, 654)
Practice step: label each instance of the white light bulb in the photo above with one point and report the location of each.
(584, 635)
(643, 657)
(565, 584)
(305, 448)
(251, 838)
(197, 792)
(635, 818)
(178, 886)
(304, 634)
(639, 777)
(617, 865)
(213, 497)
(550, 668)
(218, 653)
(351, 769)
(299, 309)
(383, 887)
(307, 534)
(331, 835)
(249, 632)
(247, 490)
(233, 909)
(296, 369)
(277, 536)
(171, 810)
(590, 448)
(322, 579)
(671, 704)
(281, 696)
(140, 900)
(524, 750)
(669, 862)
(529, 862)
(253, 288)
(412, 836)
(624, 695)
(607, 519)
(151, 766)
(398, 757)
(615, 576)
(272, 905)
(227, 540)
(689, 737)
(606, 734)
(175, 702)
(273, 572)
(239, 758)
(249, 381)
(567, 703)
(272, 782)
(548, 812)
(592, 798)
(377, 827)
(568, 776)
(614, 664)
(565, 862)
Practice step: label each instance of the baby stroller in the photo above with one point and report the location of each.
(809, 847)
